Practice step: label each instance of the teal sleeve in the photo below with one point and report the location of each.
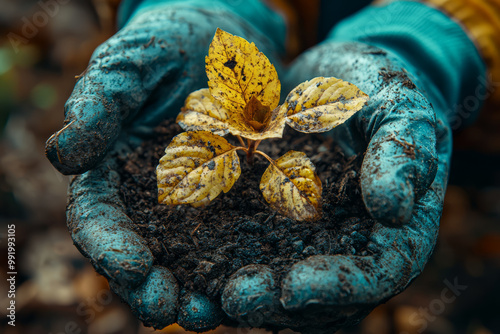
(440, 51)
(254, 12)
(125, 11)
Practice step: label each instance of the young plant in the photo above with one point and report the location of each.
(242, 99)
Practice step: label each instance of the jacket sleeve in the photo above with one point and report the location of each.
(127, 7)
(435, 47)
(481, 21)
(256, 13)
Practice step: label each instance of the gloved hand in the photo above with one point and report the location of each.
(419, 66)
(135, 80)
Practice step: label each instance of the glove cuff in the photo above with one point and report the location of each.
(439, 50)
(254, 12)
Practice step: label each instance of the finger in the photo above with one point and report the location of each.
(111, 91)
(251, 297)
(155, 300)
(398, 256)
(198, 313)
(127, 71)
(364, 282)
(398, 123)
(400, 162)
(101, 229)
(137, 71)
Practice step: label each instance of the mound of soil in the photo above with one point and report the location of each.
(203, 247)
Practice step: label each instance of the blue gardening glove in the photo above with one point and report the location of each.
(143, 74)
(416, 64)
(136, 79)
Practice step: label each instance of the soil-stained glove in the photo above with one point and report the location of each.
(417, 65)
(137, 78)
(143, 74)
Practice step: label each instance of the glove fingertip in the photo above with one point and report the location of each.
(66, 164)
(323, 281)
(126, 267)
(399, 166)
(155, 301)
(71, 152)
(250, 294)
(86, 138)
(198, 313)
(389, 200)
(116, 251)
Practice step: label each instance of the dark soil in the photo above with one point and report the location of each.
(203, 247)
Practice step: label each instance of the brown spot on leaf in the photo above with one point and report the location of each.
(230, 63)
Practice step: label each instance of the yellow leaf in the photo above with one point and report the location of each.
(237, 71)
(196, 168)
(256, 114)
(202, 112)
(290, 185)
(257, 128)
(320, 104)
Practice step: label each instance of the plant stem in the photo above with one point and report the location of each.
(257, 144)
(266, 156)
(252, 145)
(242, 143)
(252, 149)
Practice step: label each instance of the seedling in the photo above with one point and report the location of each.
(242, 99)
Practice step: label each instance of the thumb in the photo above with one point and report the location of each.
(401, 161)
(91, 126)
(116, 84)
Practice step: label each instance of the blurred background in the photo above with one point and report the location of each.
(42, 49)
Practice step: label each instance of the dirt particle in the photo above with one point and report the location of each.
(376, 52)
(150, 43)
(408, 148)
(401, 76)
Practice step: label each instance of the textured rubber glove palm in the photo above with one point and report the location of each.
(425, 65)
(135, 80)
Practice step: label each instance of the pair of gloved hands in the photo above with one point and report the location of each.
(143, 74)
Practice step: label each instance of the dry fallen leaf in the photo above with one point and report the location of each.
(196, 168)
(320, 104)
(291, 187)
(237, 71)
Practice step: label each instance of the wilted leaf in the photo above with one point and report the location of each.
(261, 126)
(237, 71)
(320, 104)
(256, 114)
(202, 112)
(196, 167)
(291, 187)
